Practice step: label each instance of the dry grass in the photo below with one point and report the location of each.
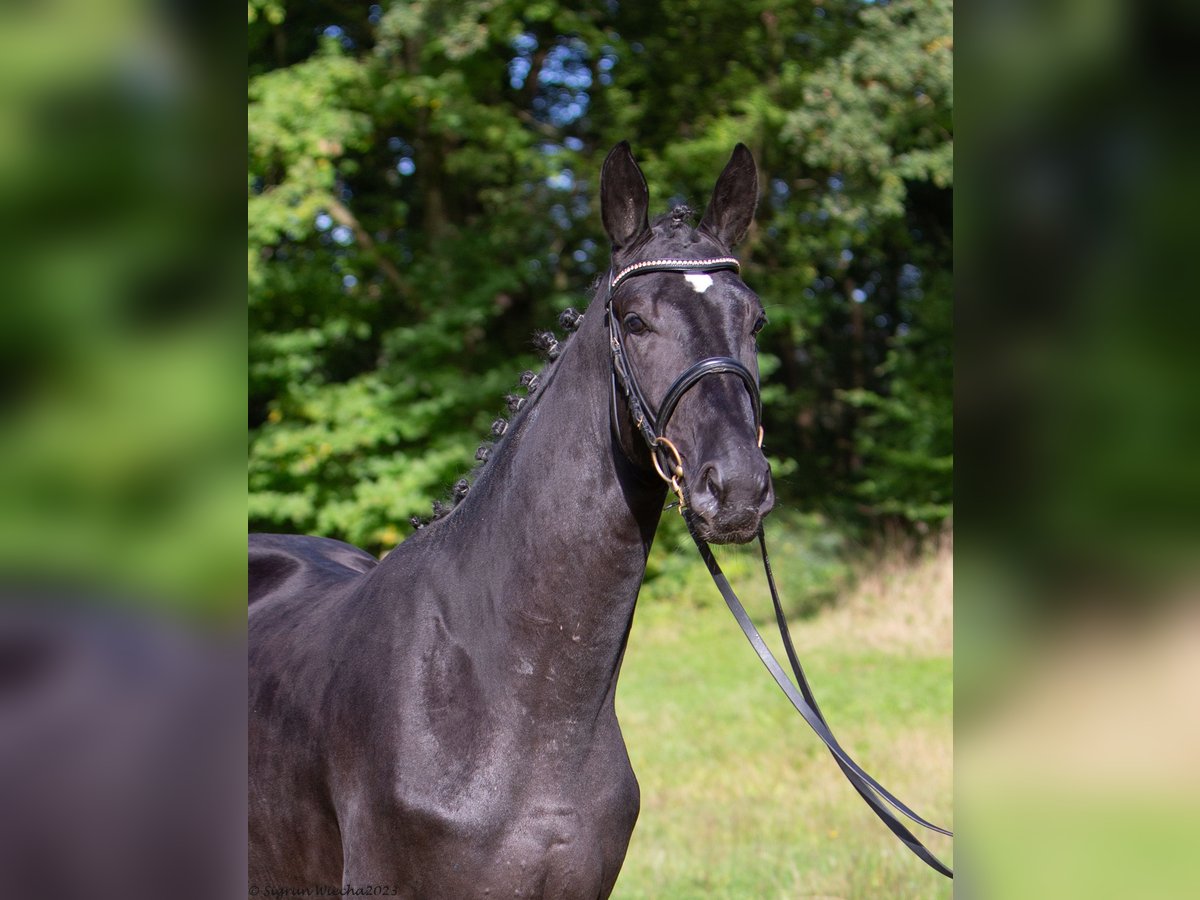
(899, 604)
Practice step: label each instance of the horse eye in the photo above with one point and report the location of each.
(759, 323)
(634, 324)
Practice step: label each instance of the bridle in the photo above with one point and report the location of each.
(669, 466)
(651, 425)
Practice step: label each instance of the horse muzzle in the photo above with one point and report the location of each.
(730, 497)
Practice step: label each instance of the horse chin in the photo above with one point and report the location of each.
(717, 533)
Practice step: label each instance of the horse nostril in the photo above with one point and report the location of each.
(713, 484)
(766, 498)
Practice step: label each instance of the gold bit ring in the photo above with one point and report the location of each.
(676, 467)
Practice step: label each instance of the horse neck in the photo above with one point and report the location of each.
(563, 523)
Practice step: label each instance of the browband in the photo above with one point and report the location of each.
(714, 264)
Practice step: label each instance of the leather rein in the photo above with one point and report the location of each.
(669, 466)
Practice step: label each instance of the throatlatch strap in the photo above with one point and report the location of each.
(806, 704)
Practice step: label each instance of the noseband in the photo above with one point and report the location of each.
(651, 425)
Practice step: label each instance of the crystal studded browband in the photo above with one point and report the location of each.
(719, 262)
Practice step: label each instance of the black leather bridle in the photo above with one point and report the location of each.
(667, 462)
(652, 425)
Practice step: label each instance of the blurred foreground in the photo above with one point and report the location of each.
(122, 693)
(122, 760)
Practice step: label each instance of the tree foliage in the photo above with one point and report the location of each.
(423, 197)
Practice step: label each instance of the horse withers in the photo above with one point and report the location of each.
(442, 723)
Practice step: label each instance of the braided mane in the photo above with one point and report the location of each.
(551, 348)
(548, 344)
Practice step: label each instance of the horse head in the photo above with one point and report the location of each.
(683, 327)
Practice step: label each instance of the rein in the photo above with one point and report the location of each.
(669, 466)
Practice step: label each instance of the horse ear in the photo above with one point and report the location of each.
(734, 198)
(624, 198)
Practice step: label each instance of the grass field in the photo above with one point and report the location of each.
(739, 798)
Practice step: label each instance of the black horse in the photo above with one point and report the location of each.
(441, 723)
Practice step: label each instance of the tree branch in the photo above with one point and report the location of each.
(342, 215)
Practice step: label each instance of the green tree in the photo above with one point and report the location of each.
(423, 190)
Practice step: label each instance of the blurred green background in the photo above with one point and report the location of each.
(122, 340)
(1077, 421)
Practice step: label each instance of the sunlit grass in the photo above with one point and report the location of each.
(739, 798)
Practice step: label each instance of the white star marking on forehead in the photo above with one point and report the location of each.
(700, 283)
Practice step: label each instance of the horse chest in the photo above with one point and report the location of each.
(545, 847)
(554, 828)
(550, 853)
